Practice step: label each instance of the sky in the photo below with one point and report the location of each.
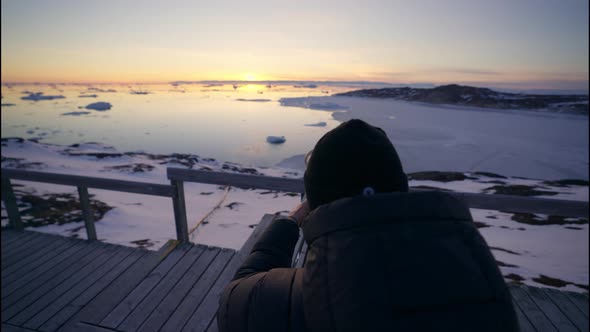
(515, 44)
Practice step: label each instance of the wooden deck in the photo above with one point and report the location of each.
(52, 283)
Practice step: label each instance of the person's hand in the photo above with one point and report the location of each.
(299, 213)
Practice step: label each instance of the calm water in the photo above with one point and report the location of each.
(199, 119)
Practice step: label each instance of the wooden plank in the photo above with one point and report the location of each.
(204, 314)
(40, 243)
(13, 246)
(22, 243)
(12, 328)
(87, 213)
(10, 235)
(81, 300)
(523, 321)
(115, 317)
(143, 188)
(581, 301)
(86, 327)
(35, 243)
(575, 315)
(10, 204)
(557, 318)
(26, 295)
(197, 294)
(112, 295)
(48, 299)
(176, 295)
(236, 180)
(41, 255)
(143, 311)
(213, 326)
(534, 314)
(15, 281)
(179, 207)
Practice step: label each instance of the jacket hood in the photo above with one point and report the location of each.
(400, 261)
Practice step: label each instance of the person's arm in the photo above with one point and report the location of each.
(275, 247)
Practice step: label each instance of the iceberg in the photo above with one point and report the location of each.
(99, 106)
(276, 139)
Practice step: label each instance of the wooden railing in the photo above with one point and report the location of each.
(178, 176)
(83, 183)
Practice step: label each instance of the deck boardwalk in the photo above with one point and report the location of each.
(52, 283)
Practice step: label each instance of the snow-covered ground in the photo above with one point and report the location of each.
(532, 144)
(533, 249)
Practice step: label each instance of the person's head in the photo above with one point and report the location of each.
(349, 159)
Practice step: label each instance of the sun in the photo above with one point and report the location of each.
(250, 77)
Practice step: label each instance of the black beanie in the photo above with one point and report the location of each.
(350, 158)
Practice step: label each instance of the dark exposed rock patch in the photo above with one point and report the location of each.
(454, 94)
(519, 190)
(490, 175)
(55, 208)
(130, 168)
(239, 169)
(429, 188)
(480, 224)
(502, 264)
(438, 176)
(144, 243)
(505, 250)
(21, 163)
(567, 183)
(532, 219)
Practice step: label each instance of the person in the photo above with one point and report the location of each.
(380, 258)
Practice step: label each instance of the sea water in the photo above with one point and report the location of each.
(225, 122)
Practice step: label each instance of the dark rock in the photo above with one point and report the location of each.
(438, 176)
(429, 188)
(567, 183)
(545, 280)
(454, 94)
(130, 168)
(519, 190)
(532, 219)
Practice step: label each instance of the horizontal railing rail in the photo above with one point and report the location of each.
(177, 177)
(82, 183)
(135, 187)
(508, 203)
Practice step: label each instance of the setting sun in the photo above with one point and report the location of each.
(250, 77)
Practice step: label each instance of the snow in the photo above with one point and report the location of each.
(312, 103)
(99, 106)
(296, 162)
(509, 142)
(37, 96)
(319, 124)
(276, 139)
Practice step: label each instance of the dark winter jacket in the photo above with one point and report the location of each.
(388, 262)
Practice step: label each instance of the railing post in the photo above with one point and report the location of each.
(179, 211)
(10, 204)
(87, 213)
